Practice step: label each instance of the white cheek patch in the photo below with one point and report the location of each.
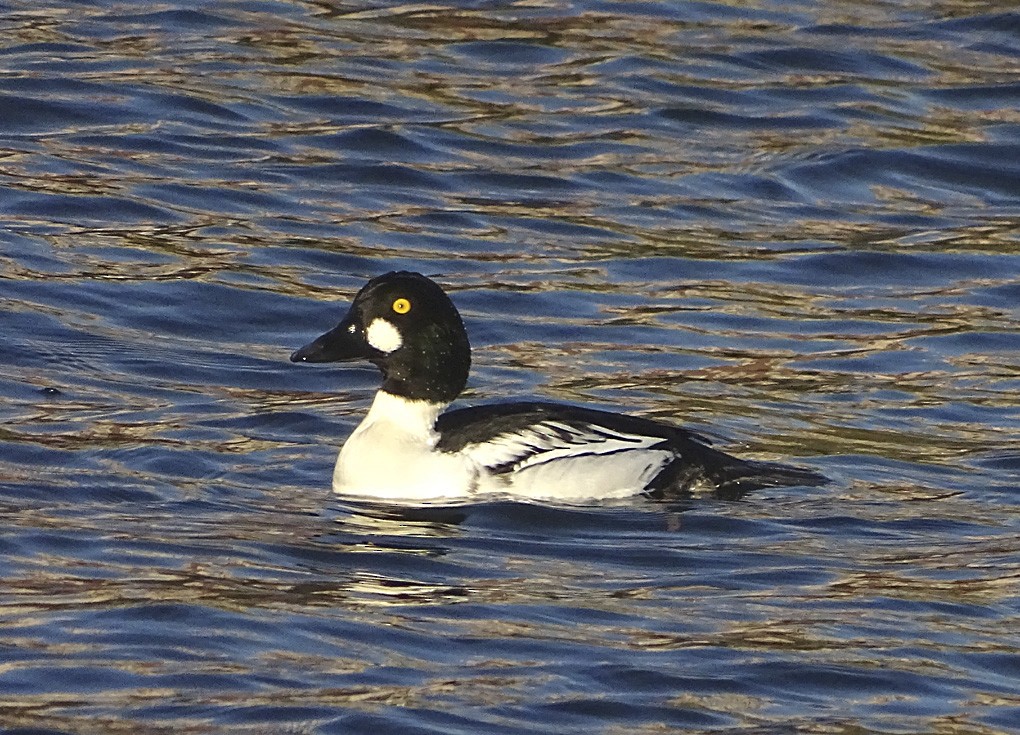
(383, 336)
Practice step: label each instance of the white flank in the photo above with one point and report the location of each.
(555, 460)
(596, 477)
(383, 336)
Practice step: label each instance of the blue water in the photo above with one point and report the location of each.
(792, 226)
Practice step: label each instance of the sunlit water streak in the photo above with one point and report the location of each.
(791, 226)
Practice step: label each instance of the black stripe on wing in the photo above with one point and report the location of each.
(555, 440)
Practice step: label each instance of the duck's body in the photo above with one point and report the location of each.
(407, 448)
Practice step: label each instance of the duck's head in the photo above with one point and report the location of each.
(405, 324)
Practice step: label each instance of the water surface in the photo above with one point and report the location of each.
(790, 225)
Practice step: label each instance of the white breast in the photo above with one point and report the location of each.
(392, 455)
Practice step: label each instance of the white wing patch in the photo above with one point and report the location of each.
(558, 460)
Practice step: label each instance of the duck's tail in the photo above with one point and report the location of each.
(730, 478)
(740, 477)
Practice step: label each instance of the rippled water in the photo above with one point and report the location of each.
(791, 225)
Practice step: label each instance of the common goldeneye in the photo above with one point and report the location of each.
(407, 448)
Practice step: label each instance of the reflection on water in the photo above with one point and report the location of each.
(789, 226)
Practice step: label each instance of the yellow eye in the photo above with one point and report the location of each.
(401, 306)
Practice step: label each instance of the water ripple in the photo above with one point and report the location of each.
(791, 227)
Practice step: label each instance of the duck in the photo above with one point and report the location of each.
(409, 447)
